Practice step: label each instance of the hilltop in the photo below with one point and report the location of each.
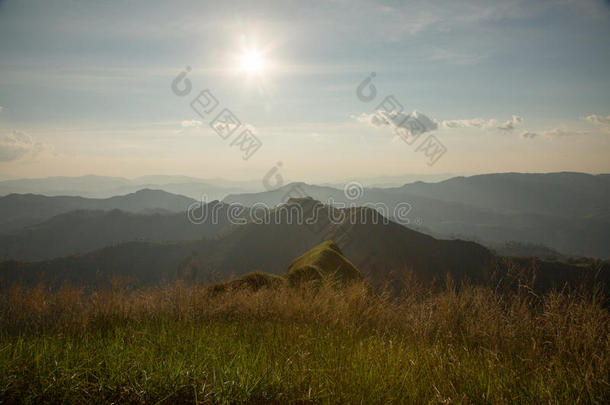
(325, 261)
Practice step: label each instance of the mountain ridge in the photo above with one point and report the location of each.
(273, 245)
(21, 210)
(572, 218)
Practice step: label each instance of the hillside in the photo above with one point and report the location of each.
(566, 194)
(375, 247)
(140, 262)
(567, 212)
(385, 252)
(81, 231)
(323, 262)
(21, 210)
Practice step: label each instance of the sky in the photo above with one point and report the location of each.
(90, 87)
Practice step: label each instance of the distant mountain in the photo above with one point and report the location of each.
(516, 249)
(566, 194)
(569, 212)
(375, 246)
(384, 252)
(588, 235)
(281, 195)
(83, 231)
(21, 210)
(391, 181)
(82, 185)
(103, 187)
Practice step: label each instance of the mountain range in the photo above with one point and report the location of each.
(375, 246)
(213, 188)
(81, 231)
(568, 212)
(385, 253)
(22, 210)
(149, 236)
(103, 187)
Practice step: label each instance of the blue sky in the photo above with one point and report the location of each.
(509, 86)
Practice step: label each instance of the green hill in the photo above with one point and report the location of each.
(323, 261)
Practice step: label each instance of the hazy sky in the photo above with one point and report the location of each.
(85, 86)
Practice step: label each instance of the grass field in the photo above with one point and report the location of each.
(184, 344)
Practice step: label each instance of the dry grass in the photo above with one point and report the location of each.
(181, 343)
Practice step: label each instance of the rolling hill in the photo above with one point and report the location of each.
(375, 246)
(325, 261)
(384, 252)
(568, 212)
(21, 210)
(565, 194)
(91, 186)
(81, 231)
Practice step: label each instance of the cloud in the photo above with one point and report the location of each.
(507, 126)
(191, 124)
(561, 132)
(16, 144)
(1, 108)
(190, 127)
(551, 133)
(599, 119)
(472, 123)
(528, 135)
(510, 124)
(408, 125)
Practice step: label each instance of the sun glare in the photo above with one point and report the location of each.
(252, 61)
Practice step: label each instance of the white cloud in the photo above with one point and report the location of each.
(528, 135)
(471, 123)
(561, 132)
(551, 133)
(16, 144)
(599, 119)
(603, 122)
(510, 124)
(408, 125)
(481, 123)
(191, 124)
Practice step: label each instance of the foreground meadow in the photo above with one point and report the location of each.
(189, 344)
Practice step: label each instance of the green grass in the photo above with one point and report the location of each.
(322, 262)
(182, 344)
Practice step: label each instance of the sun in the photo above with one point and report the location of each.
(252, 61)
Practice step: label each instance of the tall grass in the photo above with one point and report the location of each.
(182, 343)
